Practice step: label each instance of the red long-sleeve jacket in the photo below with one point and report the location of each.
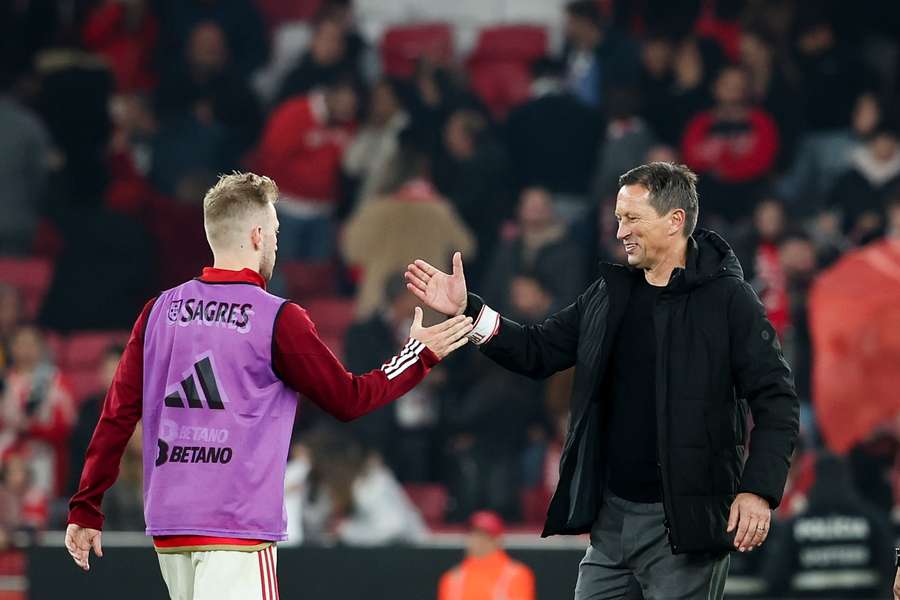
(300, 358)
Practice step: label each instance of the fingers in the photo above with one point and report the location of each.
(425, 267)
(417, 276)
(417, 318)
(78, 554)
(95, 544)
(457, 345)
(749, 531)
(420, 294)
(742, 527)
(463, 327)
(458, 265)
(444, 326)
(733, 517)
(759, 535)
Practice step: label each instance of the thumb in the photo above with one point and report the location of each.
(457, 265)
(417, 318)
(733, 517)
(95, 543)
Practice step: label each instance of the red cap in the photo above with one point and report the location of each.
(488, 522)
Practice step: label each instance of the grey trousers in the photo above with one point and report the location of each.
(629, 542)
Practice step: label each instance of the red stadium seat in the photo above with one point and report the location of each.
(82, 382)
(499, 67)
(501, 85)
(522, 43)
(430, 499)
(307, 280)
(534, 505)
(402, 46)
(332, 316)
(83, 351)
(31, 276)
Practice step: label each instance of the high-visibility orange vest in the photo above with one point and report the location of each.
(492, 577)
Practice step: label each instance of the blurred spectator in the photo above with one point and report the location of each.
(37, 412)
(10, 319)
(81, 127)
(411, 221)
(537, 271)
(405, 432)
(552, 138)
(302, 148)
(859, 194)
(334, 52)
(799, 264)
(831, 75)
(24, 160)
(381, 512)
(486, 440)
(758, 250)
(239, 19)
(597, 56)
(676, 82)
(770, 87)
(124, 32)
(731, 146)
(88, 415)
(892, 219)
(839, 547)
(208, 114)
(627, 141)
(472, 170)
(823, 157)
(123, 503)
(487, 571)
(367, 159)
(24, 507)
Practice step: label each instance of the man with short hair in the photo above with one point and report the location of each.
(213, 368)
(667, 350)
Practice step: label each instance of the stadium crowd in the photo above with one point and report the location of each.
(117, 115)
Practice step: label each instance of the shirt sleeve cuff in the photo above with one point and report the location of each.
(487, 324)
(429, 358)
(84, 517)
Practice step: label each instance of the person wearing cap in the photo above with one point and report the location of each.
(487, 573)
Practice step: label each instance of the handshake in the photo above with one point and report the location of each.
(446, 294)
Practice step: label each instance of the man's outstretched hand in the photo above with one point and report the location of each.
(79, 541)
(439, 291)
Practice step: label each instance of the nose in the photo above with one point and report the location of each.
(622, 231)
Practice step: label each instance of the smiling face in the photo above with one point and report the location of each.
(646, 235)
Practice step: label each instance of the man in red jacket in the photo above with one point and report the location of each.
(734, 144)
(302, 148)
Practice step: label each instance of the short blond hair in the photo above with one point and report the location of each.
(232, 200)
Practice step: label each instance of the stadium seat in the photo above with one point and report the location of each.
(522, 43)
(402, 46)
(82, 382)
(430, 499)
(499, 66)
(332, 316)
(83, 351)
(31, 276)
(306, 280)
(534, 505)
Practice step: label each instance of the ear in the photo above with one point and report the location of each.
(256, 237)
(676, 221)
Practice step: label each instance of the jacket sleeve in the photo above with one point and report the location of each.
(303, 361)
(537, 351)
(764, 379)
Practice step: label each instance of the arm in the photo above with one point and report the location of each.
(764, 379)
(307, 365)
(537, 351)
(121, 412)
